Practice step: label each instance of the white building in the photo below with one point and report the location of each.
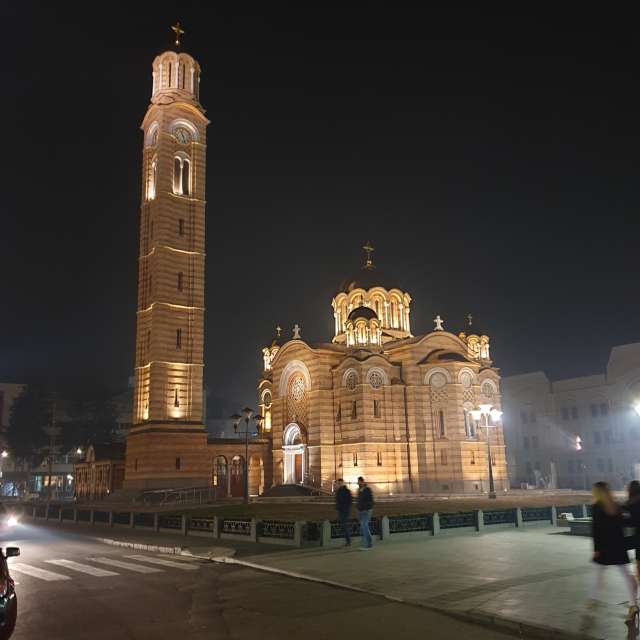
(571, 433)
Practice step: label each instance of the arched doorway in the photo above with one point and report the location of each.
(294, 455)
(220, 478)
(236, 486)
(256, 476)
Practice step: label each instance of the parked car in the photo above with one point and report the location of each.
(8, 598)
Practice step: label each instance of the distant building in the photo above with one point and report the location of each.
(571, 433)
(101, 472)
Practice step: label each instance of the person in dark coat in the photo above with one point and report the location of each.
(633, 509)
(344, 500)
(365, 509)
(609, 547)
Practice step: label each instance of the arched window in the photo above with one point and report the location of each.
(151, 180)
(441, 425)
(181, 176)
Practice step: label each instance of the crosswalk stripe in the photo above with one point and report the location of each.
(42, 574)
(126, 565)
(83, 568)
(165, 563)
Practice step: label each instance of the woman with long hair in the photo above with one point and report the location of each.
(609, 546)
(633, 508)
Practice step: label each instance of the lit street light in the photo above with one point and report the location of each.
(486, 411)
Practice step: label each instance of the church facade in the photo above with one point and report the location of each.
(375, 400)
(381, 403)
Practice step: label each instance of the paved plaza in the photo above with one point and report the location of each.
(539, 576)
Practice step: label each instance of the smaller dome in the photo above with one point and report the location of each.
(363, 312)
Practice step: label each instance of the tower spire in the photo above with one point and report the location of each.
(179, 31)
(368, 264)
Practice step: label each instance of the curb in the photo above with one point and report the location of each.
(500, 623)
(140, 546)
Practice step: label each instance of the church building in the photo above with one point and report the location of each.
(375, 400)
(380, 402)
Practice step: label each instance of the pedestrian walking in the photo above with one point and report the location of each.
(365, 509)
(344, 500)
(609, 547)
(633, 509)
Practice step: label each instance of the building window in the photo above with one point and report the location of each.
(135, 464)
(604, 409)
(610, 465)
(178, 464)
(574, 413)
(594, 410)
(473, 457)
(355, 458)
(571, 466)
(443, 456)
(181, 227)
(180, 281)
(181, 176)
(441, 423)
(151, 181)
(525, 441)
(524, 418)
(354, 409)
(339, 414)
(379, 458)
(565, 413)
(178, 338)
(376, 409)
(597, 439)
(176, 399)
(534, 442)
(600, 464)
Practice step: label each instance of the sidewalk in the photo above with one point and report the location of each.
(538, 576)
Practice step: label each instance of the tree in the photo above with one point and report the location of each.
(30, 412)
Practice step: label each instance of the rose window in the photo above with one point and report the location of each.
(375, 379)
(352, 380)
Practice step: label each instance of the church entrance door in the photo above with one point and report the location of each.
(298, 468)
(237, 477)
(294, 455)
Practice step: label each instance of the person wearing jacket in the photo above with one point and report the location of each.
(344, 500)
(609, 546)
(633, 509)
(365, 509)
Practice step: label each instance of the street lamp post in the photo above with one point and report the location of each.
(247, 413)
(486, 411)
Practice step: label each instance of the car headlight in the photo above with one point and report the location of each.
(12, 521)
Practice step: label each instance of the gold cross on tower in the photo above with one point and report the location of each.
(369, 250)
(178, 31)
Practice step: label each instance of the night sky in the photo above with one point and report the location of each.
(492, 161)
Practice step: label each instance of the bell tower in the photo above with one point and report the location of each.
(166, 446)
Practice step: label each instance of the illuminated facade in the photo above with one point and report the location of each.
(379, 402)
(167, 442)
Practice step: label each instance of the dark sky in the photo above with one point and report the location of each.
(491, 159)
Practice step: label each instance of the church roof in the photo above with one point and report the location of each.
(363, 312)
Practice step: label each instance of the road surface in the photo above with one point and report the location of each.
(71, 587)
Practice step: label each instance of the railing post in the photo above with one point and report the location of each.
(183, 524)
(46, 512)
(326, 533)
(554, 516)
(91, 516)
(436, 523)
(111, 518)
(519, 520)
(132, 519)
(156, 522)
(384, 529)
(584, 511)
(75, 515)
(479, 520)
(60, 513)
(254, 530)
(297, 533)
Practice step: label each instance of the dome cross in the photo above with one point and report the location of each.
(368, 264)
(179, 31)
